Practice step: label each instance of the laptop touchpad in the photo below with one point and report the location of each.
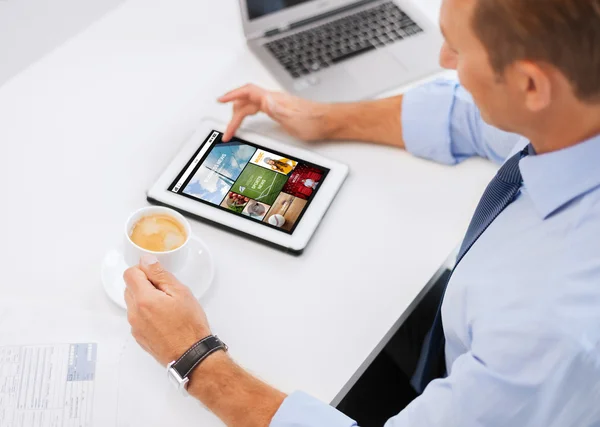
(380, 66)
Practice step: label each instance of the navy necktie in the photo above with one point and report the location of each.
(498, 195)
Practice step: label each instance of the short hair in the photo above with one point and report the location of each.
(562, 33)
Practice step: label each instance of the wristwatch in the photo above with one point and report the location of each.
(178, 371)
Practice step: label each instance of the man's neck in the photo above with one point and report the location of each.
(567, 129)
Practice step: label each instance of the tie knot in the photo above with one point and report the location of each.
(510, 172)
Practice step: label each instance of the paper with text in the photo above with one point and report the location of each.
(47, 385)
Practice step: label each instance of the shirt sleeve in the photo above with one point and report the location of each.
(441, 122)
(301, 410)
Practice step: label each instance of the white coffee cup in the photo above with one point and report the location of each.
(173, 260)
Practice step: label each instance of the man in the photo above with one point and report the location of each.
(521, 313)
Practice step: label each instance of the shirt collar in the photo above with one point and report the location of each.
(554, 179)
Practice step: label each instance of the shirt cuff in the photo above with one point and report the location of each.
(426, 113)
(301, 410)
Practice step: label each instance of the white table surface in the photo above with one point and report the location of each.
(86, 130)
(31, 28)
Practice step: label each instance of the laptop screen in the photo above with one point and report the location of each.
(259, 8)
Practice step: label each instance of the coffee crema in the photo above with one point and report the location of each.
(158, 233)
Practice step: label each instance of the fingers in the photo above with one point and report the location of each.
(129, 302)
(237, 119)
(157, 275)
(244, 92)
(248, 100)
(132, 318)
(136, 281)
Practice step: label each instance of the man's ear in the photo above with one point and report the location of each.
(534, 83)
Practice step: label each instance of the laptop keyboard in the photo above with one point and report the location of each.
(328, 44)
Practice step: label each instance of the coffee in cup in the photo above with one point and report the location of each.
(158, 233)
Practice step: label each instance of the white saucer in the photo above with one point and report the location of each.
(198, 273)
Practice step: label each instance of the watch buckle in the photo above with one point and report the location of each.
(225, 346)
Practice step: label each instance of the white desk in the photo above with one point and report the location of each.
(84, 132)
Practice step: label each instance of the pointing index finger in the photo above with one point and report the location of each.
(238, 93)
(236, 122)
(248, 91)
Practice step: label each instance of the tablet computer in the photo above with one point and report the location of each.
(251, 185)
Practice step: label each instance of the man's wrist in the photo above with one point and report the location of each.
(333, 120)
(233, 394)
(376, 121)
(217, 363)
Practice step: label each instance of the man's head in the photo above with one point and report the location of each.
(524, 60)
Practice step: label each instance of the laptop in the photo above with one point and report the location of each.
(341, 50)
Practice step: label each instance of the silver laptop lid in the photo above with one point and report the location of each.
(261, 16)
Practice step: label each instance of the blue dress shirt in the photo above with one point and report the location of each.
(521, 313)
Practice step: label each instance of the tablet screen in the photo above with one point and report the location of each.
(251, 181)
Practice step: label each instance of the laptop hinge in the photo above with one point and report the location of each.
(281, 29)
(290, 26)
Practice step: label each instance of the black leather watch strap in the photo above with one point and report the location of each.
(196, 354)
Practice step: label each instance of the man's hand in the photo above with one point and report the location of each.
(372, 121)
(166, 320)
(165, 317)
(302, 119)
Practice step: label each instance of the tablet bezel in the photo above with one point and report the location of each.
(295, 242)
